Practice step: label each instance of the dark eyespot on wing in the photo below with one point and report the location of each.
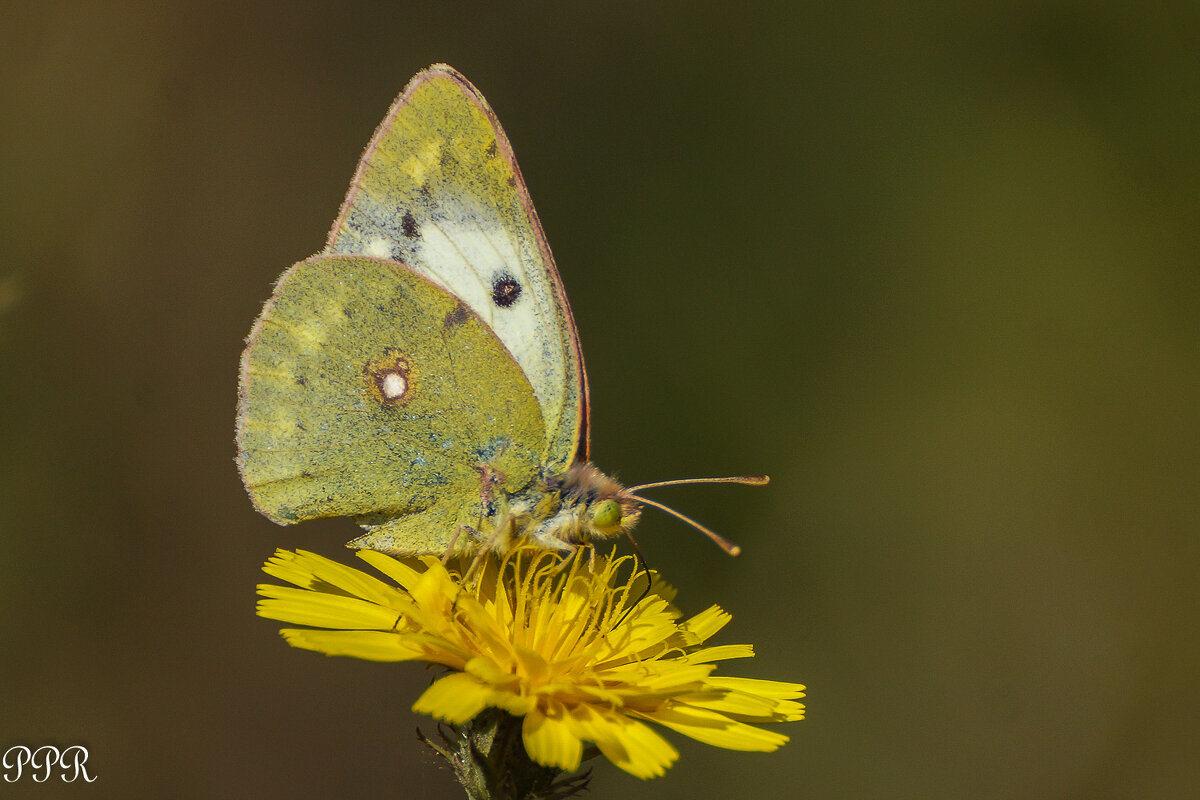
(505, 290)
(408, 226)
(491, 149)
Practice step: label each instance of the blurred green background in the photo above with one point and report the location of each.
(934, 268)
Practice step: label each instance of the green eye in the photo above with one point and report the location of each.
(607, 514)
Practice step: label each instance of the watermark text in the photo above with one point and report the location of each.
(69, 763)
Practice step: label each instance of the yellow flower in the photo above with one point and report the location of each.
(579, 652)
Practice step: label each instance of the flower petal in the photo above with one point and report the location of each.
(455, 698)
(435, 590)
(776, 689)
(394, 568)
(309, 570)
(701, 627)
(549, 739)
(776, 694)
(743, 705)
(716, 729)
(748, 708)
(722, 653)
(321, 610)
(368, 645)
(633, 746)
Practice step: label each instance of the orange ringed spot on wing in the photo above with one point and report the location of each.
(390, 379)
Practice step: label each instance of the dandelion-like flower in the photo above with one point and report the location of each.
(584, 652)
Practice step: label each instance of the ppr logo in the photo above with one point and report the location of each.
(69, 764)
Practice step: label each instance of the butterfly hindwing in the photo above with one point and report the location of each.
(369, 391)
(439, 190)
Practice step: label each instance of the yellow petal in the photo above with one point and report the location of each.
(489, 672)
(304, 607)
(658, 676)
(295, 567)
(661, 588)
(515, 704)
(581, 693)
(287, 566)
(587, 723)
(633, 746)
(745, 707)
(533, 667)
(748, 706)
(702, 626)
(776, 694)
(482, 624)
(549, 739)
(716, 729)
(643, 629)
(369, 645)
(720, 653)
(435, 590)
(395, 569)
(776, 689)
(455, 698)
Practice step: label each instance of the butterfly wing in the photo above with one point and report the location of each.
(439, 190)
(369, 391)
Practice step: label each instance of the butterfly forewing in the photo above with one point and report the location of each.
(438, 190)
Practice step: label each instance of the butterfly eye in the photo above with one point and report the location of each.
(606, 514)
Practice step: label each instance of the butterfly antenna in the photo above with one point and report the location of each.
(718, 539)
(726, 545)
(745, 480)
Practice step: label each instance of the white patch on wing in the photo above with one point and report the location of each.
(378, 247)
(465, 255)
(394, 385)
(460, 258)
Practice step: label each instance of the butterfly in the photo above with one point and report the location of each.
(422, 374)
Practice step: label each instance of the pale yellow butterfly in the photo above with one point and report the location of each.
(423, 374)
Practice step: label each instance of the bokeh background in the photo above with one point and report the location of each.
(932, 266)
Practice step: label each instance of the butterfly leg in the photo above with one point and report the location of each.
(450, 548)
(567, 558)
(486, 548)
(488, 479)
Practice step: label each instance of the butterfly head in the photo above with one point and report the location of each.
(578, 506)
(583, 504)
